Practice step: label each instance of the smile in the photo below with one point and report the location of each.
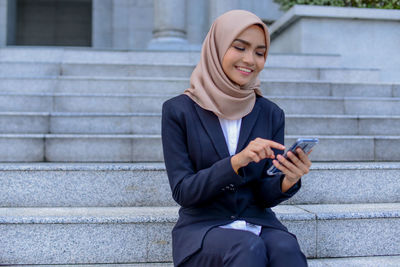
(245, 70)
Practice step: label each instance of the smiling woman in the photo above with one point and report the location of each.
(219, 139)
(246, 57)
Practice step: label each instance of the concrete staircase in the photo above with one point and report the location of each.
(82, 180)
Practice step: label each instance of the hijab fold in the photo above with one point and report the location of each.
(210, 87)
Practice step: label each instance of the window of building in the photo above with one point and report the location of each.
(54, 22)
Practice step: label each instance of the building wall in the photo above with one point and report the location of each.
(54, 22)
(114, 24)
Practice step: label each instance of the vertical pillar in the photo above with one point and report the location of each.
(197, 21)
(169, 25)
(11, 22)
(102, 36)
(3, 22)
(217, 8)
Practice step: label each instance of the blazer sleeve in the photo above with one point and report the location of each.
(268, 190)
(190, 187)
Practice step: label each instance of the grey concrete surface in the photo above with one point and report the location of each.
(147, 148)
(149, 103)
(150, 123)
(137, 184)
(143, 234)
(76, 55)
(312, 29)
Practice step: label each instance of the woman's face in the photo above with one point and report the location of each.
(244, 59)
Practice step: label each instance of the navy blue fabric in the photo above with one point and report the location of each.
(201, 176)
(235, 248)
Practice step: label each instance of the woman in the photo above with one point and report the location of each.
(219, 138)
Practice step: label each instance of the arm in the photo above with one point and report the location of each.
(190, 187)
(280, 187)
(270, 190)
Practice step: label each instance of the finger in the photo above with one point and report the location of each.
(290, 166)
(299, 163)
(275, 145)
(269, 143)
(269, 153)
(304, 157)
(254, 157)
(284, 170)
(259, 149)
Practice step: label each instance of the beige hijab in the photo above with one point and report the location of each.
(210, 88)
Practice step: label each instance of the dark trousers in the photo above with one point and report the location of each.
(231, 248)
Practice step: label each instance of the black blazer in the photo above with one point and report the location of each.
(201, 176)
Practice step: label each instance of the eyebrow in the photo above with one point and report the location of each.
(247, 43)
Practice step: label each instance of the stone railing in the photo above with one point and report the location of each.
(363, 37)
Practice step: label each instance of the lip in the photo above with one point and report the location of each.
(238, 68)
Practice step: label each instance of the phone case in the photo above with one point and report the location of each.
(305, 144)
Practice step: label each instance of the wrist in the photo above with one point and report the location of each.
(287, 183)
(235, 162)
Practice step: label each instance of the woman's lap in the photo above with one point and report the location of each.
(229, 247)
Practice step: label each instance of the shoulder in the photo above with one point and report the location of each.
(269, 106)
(180, 101)
(179, 106)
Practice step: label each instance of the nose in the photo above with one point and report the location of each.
(248, 58)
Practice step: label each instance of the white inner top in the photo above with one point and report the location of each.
(231, 130)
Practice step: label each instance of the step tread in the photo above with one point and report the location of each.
(386, 261)
(149, 166)
(128, 136)
(158, 114)
(166, 96)
(95, 215)
(169, 64)
(187, 79)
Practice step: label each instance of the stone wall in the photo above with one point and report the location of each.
(127, 24)
(53, 22)
(365, 38)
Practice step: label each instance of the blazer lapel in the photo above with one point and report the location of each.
(247, 126)
(211, 123)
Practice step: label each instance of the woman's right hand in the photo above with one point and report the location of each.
(256, 150)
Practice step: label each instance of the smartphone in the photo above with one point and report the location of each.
(306, 144)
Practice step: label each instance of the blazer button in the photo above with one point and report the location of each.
(233, 217)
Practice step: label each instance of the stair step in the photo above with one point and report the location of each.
(68, 55)
(147, 264)
(289, 73)
(150, 123)
(80, 148)
(175, 85)
(142, 148)
(136, 184)
(23, 69)
(26, 69)
(342, 125)
(133, 235)
(147, 103)
(386, 261)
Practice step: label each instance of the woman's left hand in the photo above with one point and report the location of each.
(294, 168)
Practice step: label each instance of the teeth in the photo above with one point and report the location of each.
(243, 69)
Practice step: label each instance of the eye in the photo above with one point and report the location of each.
(239, 48)
(261, 54)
